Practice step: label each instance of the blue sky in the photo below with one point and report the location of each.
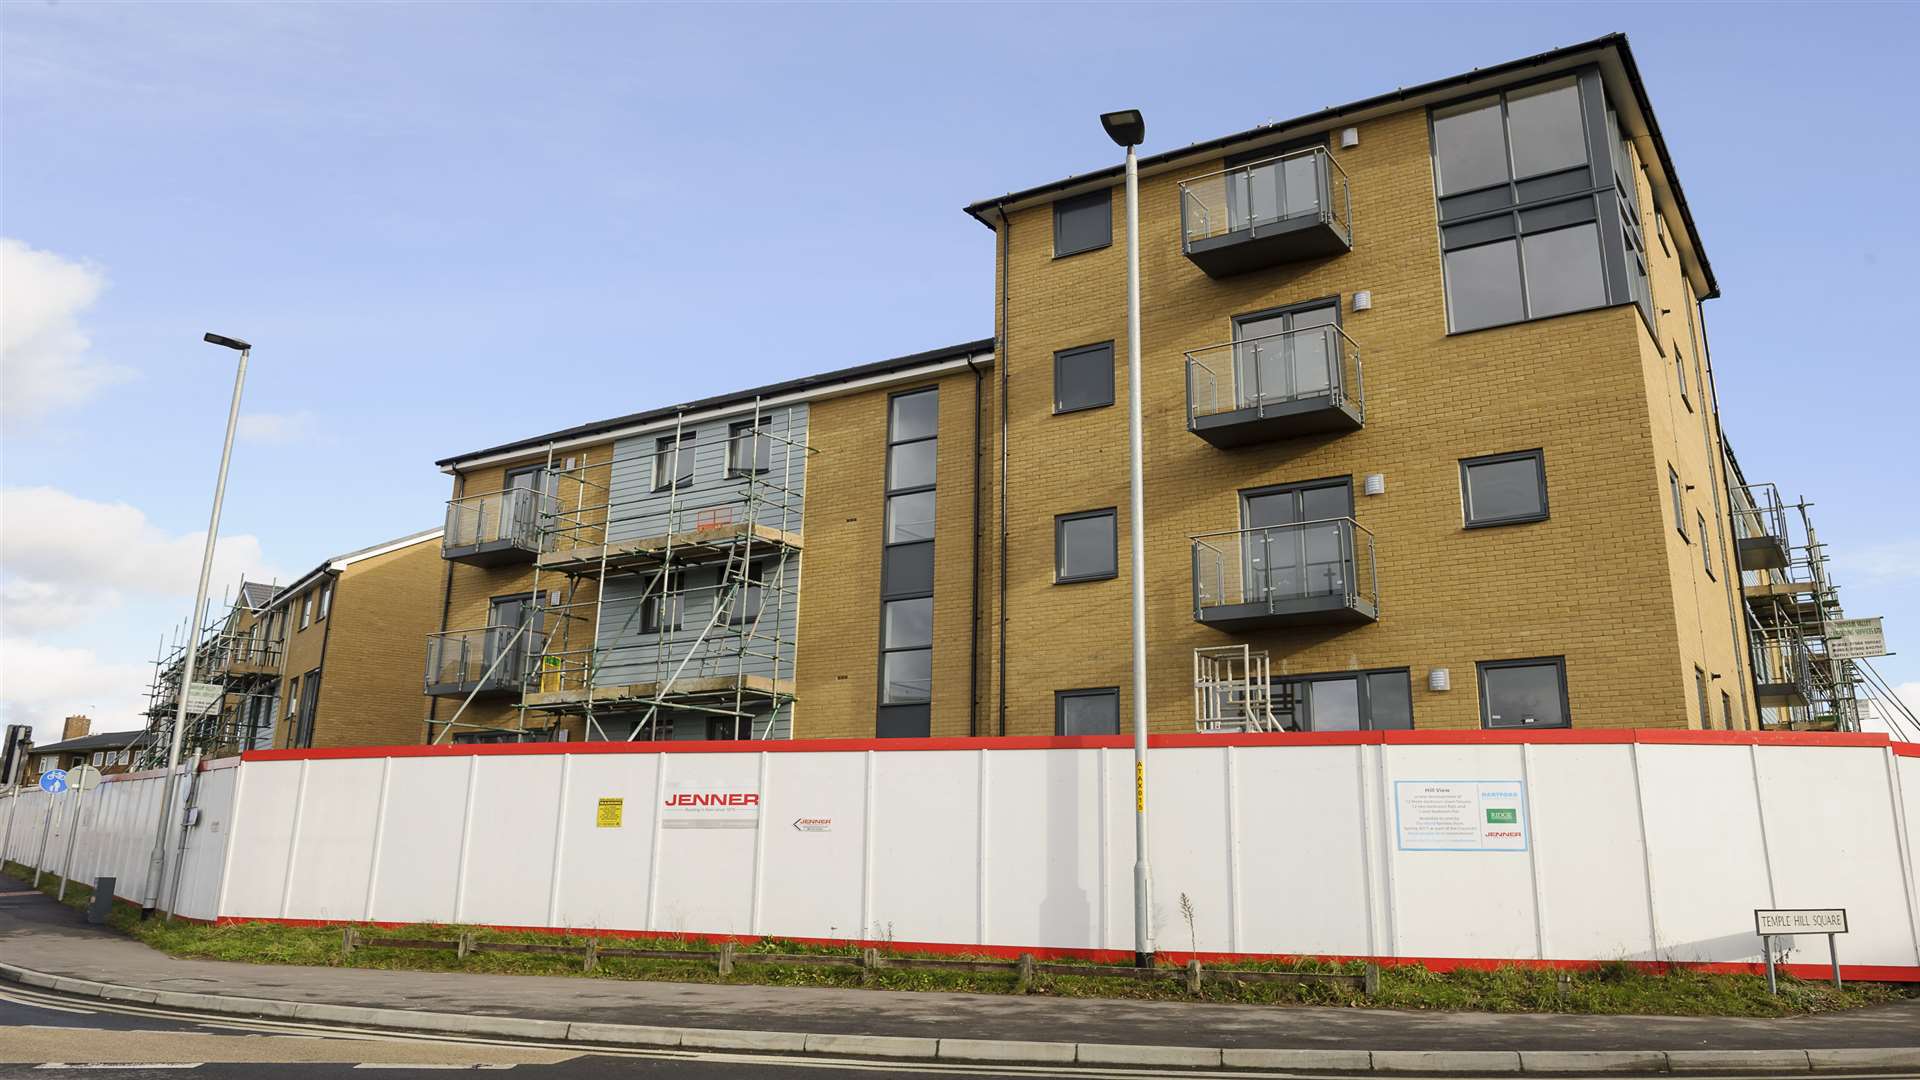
(449, 225)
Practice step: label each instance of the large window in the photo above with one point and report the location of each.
(1083, 378)
(1084, 546)
(906, 571)
(1526, 207)
(1083, 223)
(1504, 489)
(1087, 712)
(673, 461)
(1523, 693)
(1347, 701)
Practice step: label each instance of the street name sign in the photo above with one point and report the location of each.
(1768, 923)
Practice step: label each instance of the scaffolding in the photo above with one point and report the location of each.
(235, 655)
(1791, 604)
(1233, 691)
(656, 594)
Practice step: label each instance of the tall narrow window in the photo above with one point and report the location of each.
(1700, 691)
(673, 461)
(749, 449)
(306, 609)
(1726, 710)
(1679, 502)
(906, 566)
(326, 600)
(1680, 371)
(1706, 541)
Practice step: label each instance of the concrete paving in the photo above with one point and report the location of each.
(37, 933)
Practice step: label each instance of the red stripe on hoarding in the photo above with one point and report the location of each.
(1856, 972)
(1429, 737)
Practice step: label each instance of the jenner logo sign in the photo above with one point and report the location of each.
(714, 798)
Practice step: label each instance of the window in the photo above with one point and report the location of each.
(1679, 503)
(1700, 691)
(1523, 693)
(1706, 541)
(751, 598)
(749, 449)
(126, 757)
(664, 610)
(1680, 371)
(1504, 489)
(326, 601)
(673, 461)
(1726, 710)
(98, 755)
(1083, 378)
(1087, 712)
(1524, 208)
(906, 651)
(293, 696)
(1085, 546)
(906, 570)
(309, 700)
(306, 609)
(1348, 701)
(1083, 223)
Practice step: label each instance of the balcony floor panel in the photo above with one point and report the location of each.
(1268, 244)
(1307, 611)
(1269, 422)
(1760, 552)
(1779, 695)
(489, 553)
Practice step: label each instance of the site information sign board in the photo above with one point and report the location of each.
(1768, 922)
(203, 697)
(1851, 639)
(1460, 815)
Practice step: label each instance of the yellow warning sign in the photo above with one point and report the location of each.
(608, 815)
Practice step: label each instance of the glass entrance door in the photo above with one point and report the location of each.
(1285, 355)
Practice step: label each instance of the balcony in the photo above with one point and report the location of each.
(1282, 209)
(1317, 573)
(496, 529)
(1782, 669)
(1759, 527)
(488, 661)
(1301, 382)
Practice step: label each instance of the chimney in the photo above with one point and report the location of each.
(77, 726)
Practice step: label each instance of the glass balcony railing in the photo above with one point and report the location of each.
(1292, 206)
(497, 528)
(493, 659)
(1259, 389)
(1282, 575)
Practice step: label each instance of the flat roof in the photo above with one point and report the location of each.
(737, 397)
(1404, 96)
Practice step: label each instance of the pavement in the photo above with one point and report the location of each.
(40, 936)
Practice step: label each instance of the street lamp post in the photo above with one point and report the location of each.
(163, 832)
(1128, 128)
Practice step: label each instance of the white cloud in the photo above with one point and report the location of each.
(278, 428)
(1893, 561)
(44, 355)
(45, 683)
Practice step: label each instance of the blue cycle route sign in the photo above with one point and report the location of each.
(54, 781)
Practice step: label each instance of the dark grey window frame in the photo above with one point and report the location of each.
(1068, 205)
(1472, 218)
(1679, 502)
(752, 596)
(1706, 544)
(1726, 709)
(1363, 691)
(1061, 697)
(903, 719)
(1680, 372)
(1065, 356)
(680, 446)
(1560, 665)
(1706, 703)
(754, 434)
(672, 595)
(1060, 576)
(1466, 503)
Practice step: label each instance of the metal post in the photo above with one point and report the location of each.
(156, 865)
(46, 830)
(1136, 513)
(1766, 943)
(1833, 954)
(73, 832)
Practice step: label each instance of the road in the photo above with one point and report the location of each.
(43, 1033)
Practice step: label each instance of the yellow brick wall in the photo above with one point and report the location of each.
(839, 644)
(1595, 583)
(301, 652)
(383, 609)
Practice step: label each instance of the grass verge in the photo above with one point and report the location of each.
(1611, 988)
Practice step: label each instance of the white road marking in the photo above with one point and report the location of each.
(122, 1065)
(38, 1004)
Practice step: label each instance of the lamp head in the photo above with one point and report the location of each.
(231, 343)
(1126, 127)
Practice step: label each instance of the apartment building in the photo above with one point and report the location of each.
(1430, 431)
(640, 577)
(350, 635)
(1430, 440)
(237, 669)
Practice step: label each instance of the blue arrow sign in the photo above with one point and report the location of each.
(54, 780)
